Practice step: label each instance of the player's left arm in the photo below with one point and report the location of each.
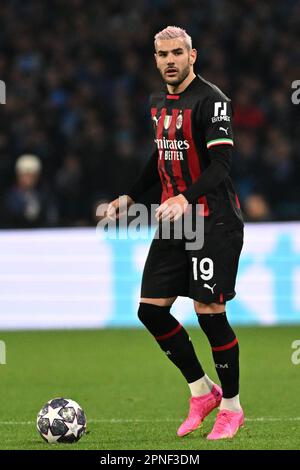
(219, 142)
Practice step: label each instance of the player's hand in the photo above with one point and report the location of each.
(172, 209)
(118, 208)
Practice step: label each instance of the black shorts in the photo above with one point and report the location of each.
(206, 275)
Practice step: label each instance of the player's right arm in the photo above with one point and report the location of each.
(118, 207)
(148, 178)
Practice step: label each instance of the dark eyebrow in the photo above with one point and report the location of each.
(179, 49)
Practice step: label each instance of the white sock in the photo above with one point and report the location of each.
(232, 404)
(201, 386)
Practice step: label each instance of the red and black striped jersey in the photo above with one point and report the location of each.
(193, 146)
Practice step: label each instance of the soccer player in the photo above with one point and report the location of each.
(192, 158)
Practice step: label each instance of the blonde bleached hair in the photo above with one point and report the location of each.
(174, 32)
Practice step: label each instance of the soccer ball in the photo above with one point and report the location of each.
(61, 420)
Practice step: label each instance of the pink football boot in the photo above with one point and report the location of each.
(227, 424)
(200, 407)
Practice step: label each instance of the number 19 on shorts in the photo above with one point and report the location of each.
(206, 268)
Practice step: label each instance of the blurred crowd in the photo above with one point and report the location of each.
(75, 129)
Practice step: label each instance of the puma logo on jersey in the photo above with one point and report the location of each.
(209, 287)
(223, 129)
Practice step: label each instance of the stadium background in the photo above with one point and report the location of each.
(79, 102)
(78, 75)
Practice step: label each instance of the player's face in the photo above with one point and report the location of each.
(174, 60)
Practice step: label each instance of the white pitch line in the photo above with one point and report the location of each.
(167, 420)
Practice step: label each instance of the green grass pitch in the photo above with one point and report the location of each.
(134, 398)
